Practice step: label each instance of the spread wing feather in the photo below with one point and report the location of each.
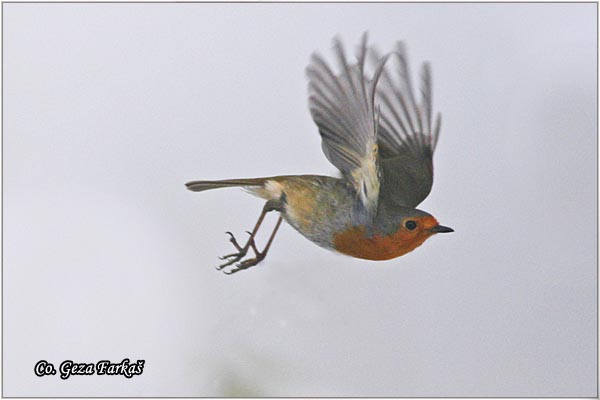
(406, 136)
(342, 106)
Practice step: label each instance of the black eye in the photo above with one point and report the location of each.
(410, 225)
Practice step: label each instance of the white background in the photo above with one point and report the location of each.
(110, 108)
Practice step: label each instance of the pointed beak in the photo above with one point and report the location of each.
(441, 229)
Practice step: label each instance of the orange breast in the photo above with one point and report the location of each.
(355, 243)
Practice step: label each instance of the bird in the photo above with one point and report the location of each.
(380, 138)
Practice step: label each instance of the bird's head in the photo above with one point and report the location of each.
(395, 234)
(414, 225)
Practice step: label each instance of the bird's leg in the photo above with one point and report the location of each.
(259, 255)
(241, 251)
(253, 244)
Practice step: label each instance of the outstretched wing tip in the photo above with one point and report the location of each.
(407, 134)
(356, 114)
(341, 104)
(400, 48)
(426, 67)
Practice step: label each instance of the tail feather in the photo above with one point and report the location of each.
(200, 186)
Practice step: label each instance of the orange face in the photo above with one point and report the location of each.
(411, 233)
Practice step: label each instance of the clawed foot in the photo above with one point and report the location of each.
(234, 257)
(246, 264)
(241, 252)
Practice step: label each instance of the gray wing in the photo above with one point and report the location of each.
(342, 106)
(407, 137)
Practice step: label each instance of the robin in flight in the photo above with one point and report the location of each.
(380, 138)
